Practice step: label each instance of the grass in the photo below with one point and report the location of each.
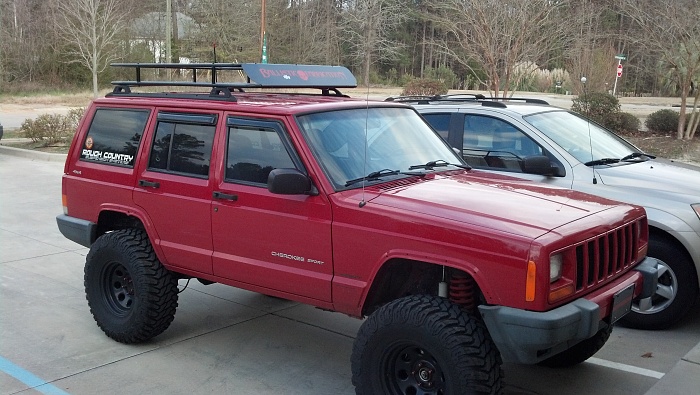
(666, 145)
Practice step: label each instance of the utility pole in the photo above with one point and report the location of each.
(263, 39)
(168, 31)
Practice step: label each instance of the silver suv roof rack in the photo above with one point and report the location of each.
(463, 98)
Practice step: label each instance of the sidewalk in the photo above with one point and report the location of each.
(683, 379)
(38, 155)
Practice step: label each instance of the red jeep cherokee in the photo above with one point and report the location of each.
(347, 205)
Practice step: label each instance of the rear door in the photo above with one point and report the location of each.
(278, 242)
(174, 187)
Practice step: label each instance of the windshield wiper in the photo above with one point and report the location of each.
(373, 176)
(603, 161)
(438, 163)
(609, 161)
(635, 155)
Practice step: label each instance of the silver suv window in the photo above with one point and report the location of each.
(493, 143)
(584, 140)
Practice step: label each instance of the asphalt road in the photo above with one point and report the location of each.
(223, 340)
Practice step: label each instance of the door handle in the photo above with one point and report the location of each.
(225, 196)
(152, 184)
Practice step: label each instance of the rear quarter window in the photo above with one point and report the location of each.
(114, 136)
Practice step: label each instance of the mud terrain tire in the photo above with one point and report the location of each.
(131, 295)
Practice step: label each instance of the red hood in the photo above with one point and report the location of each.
(486, 200)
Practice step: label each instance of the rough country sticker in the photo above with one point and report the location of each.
(104, 156)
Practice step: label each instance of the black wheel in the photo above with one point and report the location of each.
(425, 345)
(131, 295)
(675, 295)
(580, 352)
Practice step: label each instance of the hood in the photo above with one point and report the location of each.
(492, 201)
(656, 178)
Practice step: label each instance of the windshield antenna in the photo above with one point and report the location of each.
(364, 160)
(588, 122)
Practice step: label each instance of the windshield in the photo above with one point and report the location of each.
(571, 132)
(351, 144)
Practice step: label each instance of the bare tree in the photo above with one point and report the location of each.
(304, 31)
(233, 27)
(92, 27)
(498, 36)
(670, 30)
(366, 29)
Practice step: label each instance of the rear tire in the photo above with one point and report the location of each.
(580, 352)
(676, 293)
(131, 295)
(425, 345)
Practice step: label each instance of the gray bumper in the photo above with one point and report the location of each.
(78, 230)
(529, 337)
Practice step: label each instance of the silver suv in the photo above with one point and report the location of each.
(527, 138)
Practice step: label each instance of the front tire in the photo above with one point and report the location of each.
(675, 295)
(131, 295)
(425, 345)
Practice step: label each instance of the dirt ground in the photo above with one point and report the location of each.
(13, 110)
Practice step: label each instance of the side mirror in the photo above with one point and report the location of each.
(541, 165)
(289, 182)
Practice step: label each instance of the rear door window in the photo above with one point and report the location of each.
(114, 136)
(183, 144)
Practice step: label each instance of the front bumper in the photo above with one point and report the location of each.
(529, 337)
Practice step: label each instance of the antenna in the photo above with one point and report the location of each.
(588, 120)
(364, 160)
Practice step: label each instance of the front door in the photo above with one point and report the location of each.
(277, 242)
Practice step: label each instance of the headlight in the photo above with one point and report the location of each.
(555, 264)
(696, 208)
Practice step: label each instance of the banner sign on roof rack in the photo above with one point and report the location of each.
(300, 76)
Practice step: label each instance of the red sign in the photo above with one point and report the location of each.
(619, 70)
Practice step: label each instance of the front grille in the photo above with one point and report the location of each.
(605, 256)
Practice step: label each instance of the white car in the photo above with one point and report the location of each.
(529, 139)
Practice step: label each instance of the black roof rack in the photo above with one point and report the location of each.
(465, 97)
(256, 75)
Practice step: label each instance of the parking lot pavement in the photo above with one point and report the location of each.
(226, 340)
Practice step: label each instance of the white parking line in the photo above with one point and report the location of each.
(625, 368)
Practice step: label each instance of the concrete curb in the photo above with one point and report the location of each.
(683, 378)
(31, 154)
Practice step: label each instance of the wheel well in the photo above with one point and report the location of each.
(114, 220)
(662, 235)
(398, 278)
